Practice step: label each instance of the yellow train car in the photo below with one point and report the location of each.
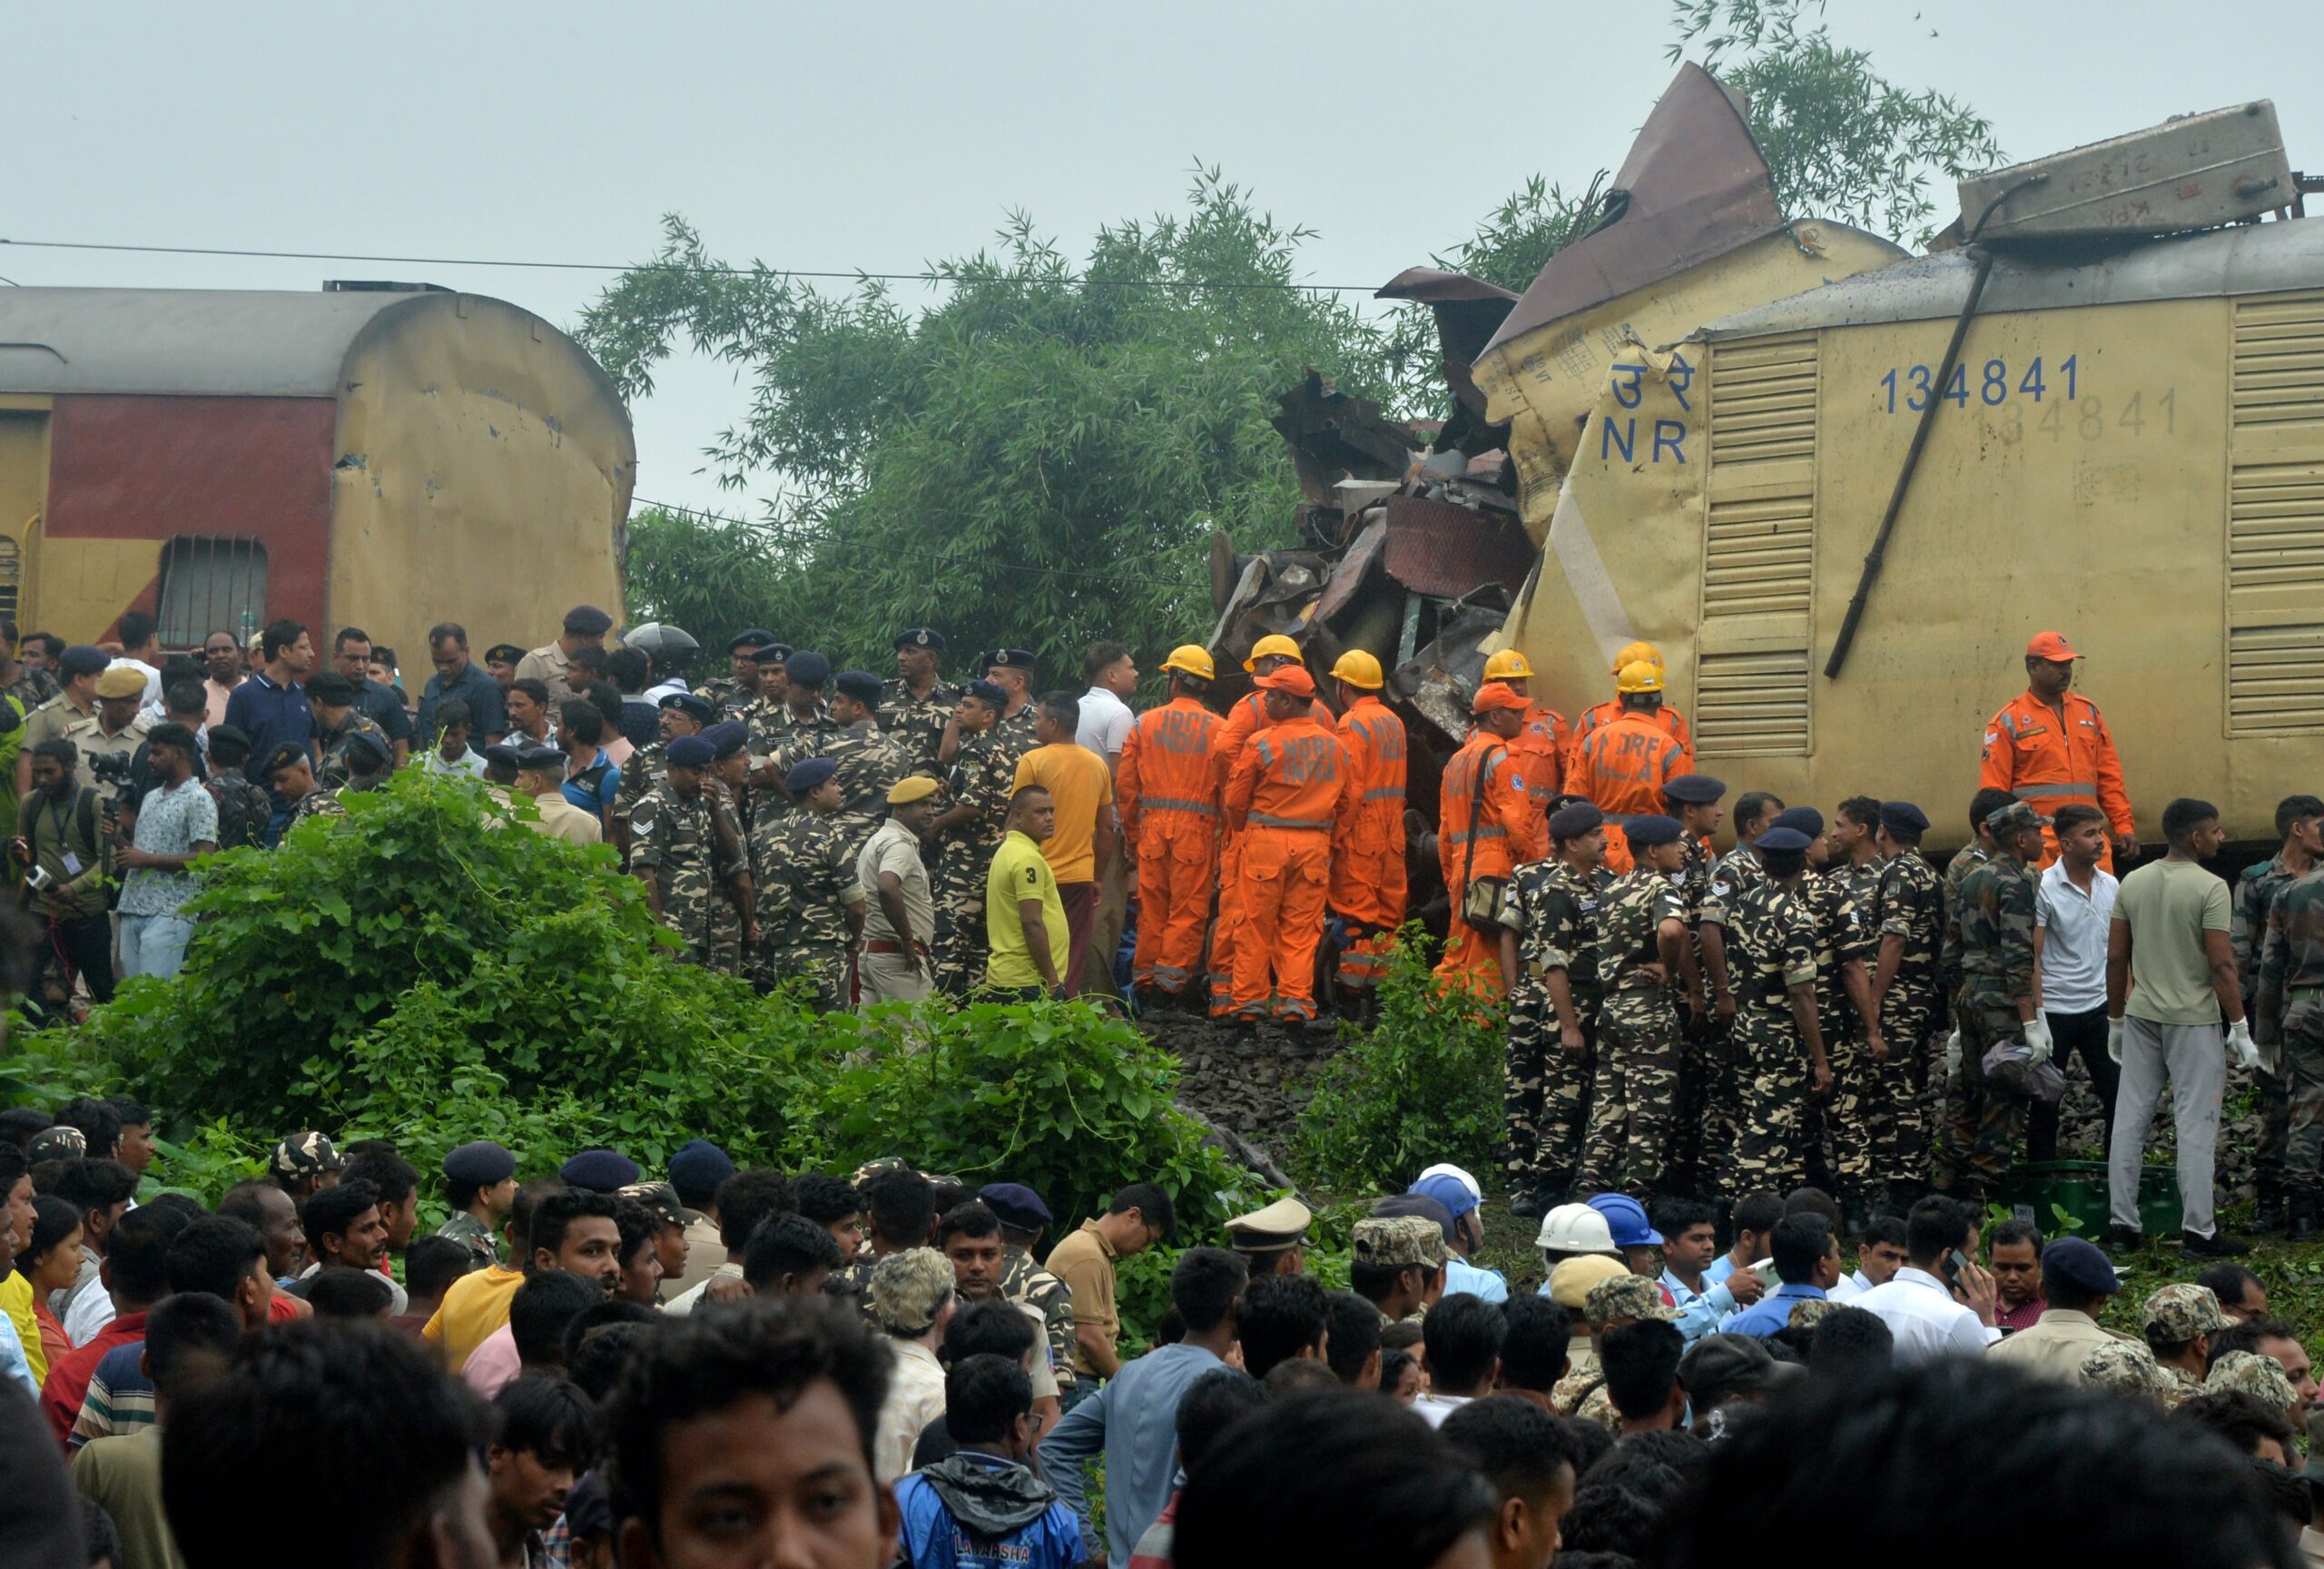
(2130, 451)
(386, 457)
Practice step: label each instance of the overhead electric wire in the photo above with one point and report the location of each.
(717, 271)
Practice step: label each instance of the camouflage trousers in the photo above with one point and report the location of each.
(2301, 1070)
(1771, 1069)
(1545, 1091)
(1982, 1126)
(725, 950)
(1709, 1085)
(1879, 1133)
(823, 967)
(962, 946)
(1634, 1094)
(2271, 1165)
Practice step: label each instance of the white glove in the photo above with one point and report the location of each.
(1953, 1052)
(2239, 1049)
(2115, 1040)
(2037, 1041)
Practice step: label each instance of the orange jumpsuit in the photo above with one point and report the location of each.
(1168, 804)
(1368, 842)
(1622, 767)
(1484, 802)
(2055, 757)
(1246, 718)
(1293, 782)
(1541, 748)
(1674, 724)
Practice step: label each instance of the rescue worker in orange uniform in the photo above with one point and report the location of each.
(1292, 786)
(1368, 843)
(1167, 800)
(1541, 746)
(1487, 827)
(1245, 719)
(2050, 748)
(1603, 714)
(1623, 766)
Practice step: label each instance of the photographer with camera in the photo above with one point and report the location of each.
(63, 849)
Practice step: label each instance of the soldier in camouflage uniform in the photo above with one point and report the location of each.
(1023, 1217)
(683, 843)
(1642, 935)
(730, 694)
(916, 702)
(1721, 1095)
(683, 713)
(290, 773)
(1550, 948)
(2121, 1367)
(2261, 1377)
(869, 763)
(1770, 935)
(1996, 921)
(1908, 913)
(978, 786)
(1011, 670)
(2287, 1024)
(811, 903)
(2180, 1321)
(1967, 859)
(1847, 947)
(1611, 1303)
(1694, 799)
(337, 721)
(728, 777)
(787, 733)
(2299, 822)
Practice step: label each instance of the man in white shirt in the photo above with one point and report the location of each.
(1879, 1254)
(911, 1295)
(141, 651)
(1106, 718)
(1930, 1320)
(2070, 915)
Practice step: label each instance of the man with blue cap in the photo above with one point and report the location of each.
(1770, 935)
(1548, 952)
(1023, 1217)
(1464, 1201)
(916, 702)
(868, 764)
(2076, 1281)
(682, 714)
(730, 693)
(697, 1170)
(1908, 916)
(480, 1184)
(1011, 670)
(979, 782)
(799, 727)
(1643, 938)
(685, 845)
(811, 899)
(1847, 946)
(1633, 1233)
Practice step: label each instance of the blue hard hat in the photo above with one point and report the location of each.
(1625, 1219)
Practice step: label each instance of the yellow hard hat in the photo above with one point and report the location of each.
(1273, 643)
(1638, 676)
(1506, 664)
(1191, 660)
(1358, 668)
(1633, 652)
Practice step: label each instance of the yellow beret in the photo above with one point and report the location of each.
(120, 681)
(911, 788)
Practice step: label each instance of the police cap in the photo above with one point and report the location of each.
(772, 653)
(1695, 789)
(727, 738)
(587, 621)
(808, 775)
(1782, 840)
(1018, 1205)
(691, 752)
(921, 637)
(120, 681)
(1274, 1228)
(600, 1171)
(1652, 829)
(860, 685)
(988, 692)
(507, 753)
(81, 659)
(503, 654)
(692, 704)
(363, 745)
(1573, 821)
(1805, 819)
(285, 753)
(481, 1164)
(807, 668)
(1903, 817)
(542, 759)
(749, 637)
(1009, 659)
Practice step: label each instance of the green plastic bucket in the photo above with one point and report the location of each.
(2079, 1188)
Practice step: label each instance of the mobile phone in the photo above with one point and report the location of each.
(1955, 1263)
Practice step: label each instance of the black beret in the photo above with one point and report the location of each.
(692, 704)
(1652, 829)
(600, 1171)
(1009, 659)
(860, 685)
(479, 1165)
(1782, 839)
(807, 668)
(921, 637)
(1805, 819)
(1903, 816)
(1573, 821)
(772, 653)
(751, 637)
(1695, 789)
(587, 621)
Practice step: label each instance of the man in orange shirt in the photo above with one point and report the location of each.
(1623, 767)
(1290, 786)
(1540, 744)
(1673, 722)
(1082, 847)
(2051, 747)
(1487, 828)
(1368, 844)
(1170, 812)
(1245, 719)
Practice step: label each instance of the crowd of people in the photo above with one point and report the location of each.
(714, 1366)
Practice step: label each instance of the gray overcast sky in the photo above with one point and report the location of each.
(882, 137)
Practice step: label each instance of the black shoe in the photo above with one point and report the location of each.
(1528, 1205)
(2218, 1245)
(2301, 1223)
(2124, 1239)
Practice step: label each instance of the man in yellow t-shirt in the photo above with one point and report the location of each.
(1081, 785)
(1024, 918)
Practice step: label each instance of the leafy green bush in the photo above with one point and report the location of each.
(428, 971)
(1422, 1085)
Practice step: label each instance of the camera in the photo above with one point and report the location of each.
(109, 767)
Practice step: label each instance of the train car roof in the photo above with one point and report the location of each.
(228, 342)
(2251, 259)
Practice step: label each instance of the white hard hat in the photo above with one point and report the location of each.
(1445, 1169)
(1576, 1228)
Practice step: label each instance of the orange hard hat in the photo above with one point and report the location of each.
(1506, 663)
(1274, 643)
(2049, 646)
(1495, 694)
(1358, 668)
(1291, 679)
(1631, 653)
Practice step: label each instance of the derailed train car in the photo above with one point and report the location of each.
(2126, 443)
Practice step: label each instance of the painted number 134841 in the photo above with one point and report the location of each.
(1910, 388)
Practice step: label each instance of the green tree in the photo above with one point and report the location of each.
(1036, 460)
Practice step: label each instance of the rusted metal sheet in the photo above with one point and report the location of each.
(1335, 436)
(1437, 548)
(1694, 187)
(1468, 312)
(2196, 172)
(1349, 576)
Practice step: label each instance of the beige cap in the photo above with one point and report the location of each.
(1281, 1225)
